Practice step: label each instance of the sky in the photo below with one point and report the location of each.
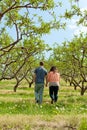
(58, 36)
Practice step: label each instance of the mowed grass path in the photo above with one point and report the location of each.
(18, 110)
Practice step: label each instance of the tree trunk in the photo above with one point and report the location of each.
(15, 87)
(82, 91)
(75, 87)
(30, 84)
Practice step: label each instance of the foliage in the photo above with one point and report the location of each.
(22, 25)
(71, 60)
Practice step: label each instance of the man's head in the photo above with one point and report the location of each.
(41, 63)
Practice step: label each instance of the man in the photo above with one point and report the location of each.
(40, 74)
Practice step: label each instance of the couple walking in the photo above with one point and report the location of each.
(52, 77)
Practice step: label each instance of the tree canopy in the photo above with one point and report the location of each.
(22, 25)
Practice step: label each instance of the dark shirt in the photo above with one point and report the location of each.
(40, 72)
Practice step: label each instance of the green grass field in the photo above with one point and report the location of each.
(18, 110)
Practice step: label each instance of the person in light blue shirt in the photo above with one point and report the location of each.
(39, 77)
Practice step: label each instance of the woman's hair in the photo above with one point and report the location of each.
(53, 68)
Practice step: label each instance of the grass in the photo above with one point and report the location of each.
(18, 110)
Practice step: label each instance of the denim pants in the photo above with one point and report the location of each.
(39, 87)
(53, 92)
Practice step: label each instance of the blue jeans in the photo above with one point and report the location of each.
(39, 87)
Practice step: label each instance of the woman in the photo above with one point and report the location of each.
(53, 78)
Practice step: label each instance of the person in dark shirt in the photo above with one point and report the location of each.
(39, 77)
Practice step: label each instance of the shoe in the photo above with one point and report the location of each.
(37, 101)
(55, 101)
(51, 101)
